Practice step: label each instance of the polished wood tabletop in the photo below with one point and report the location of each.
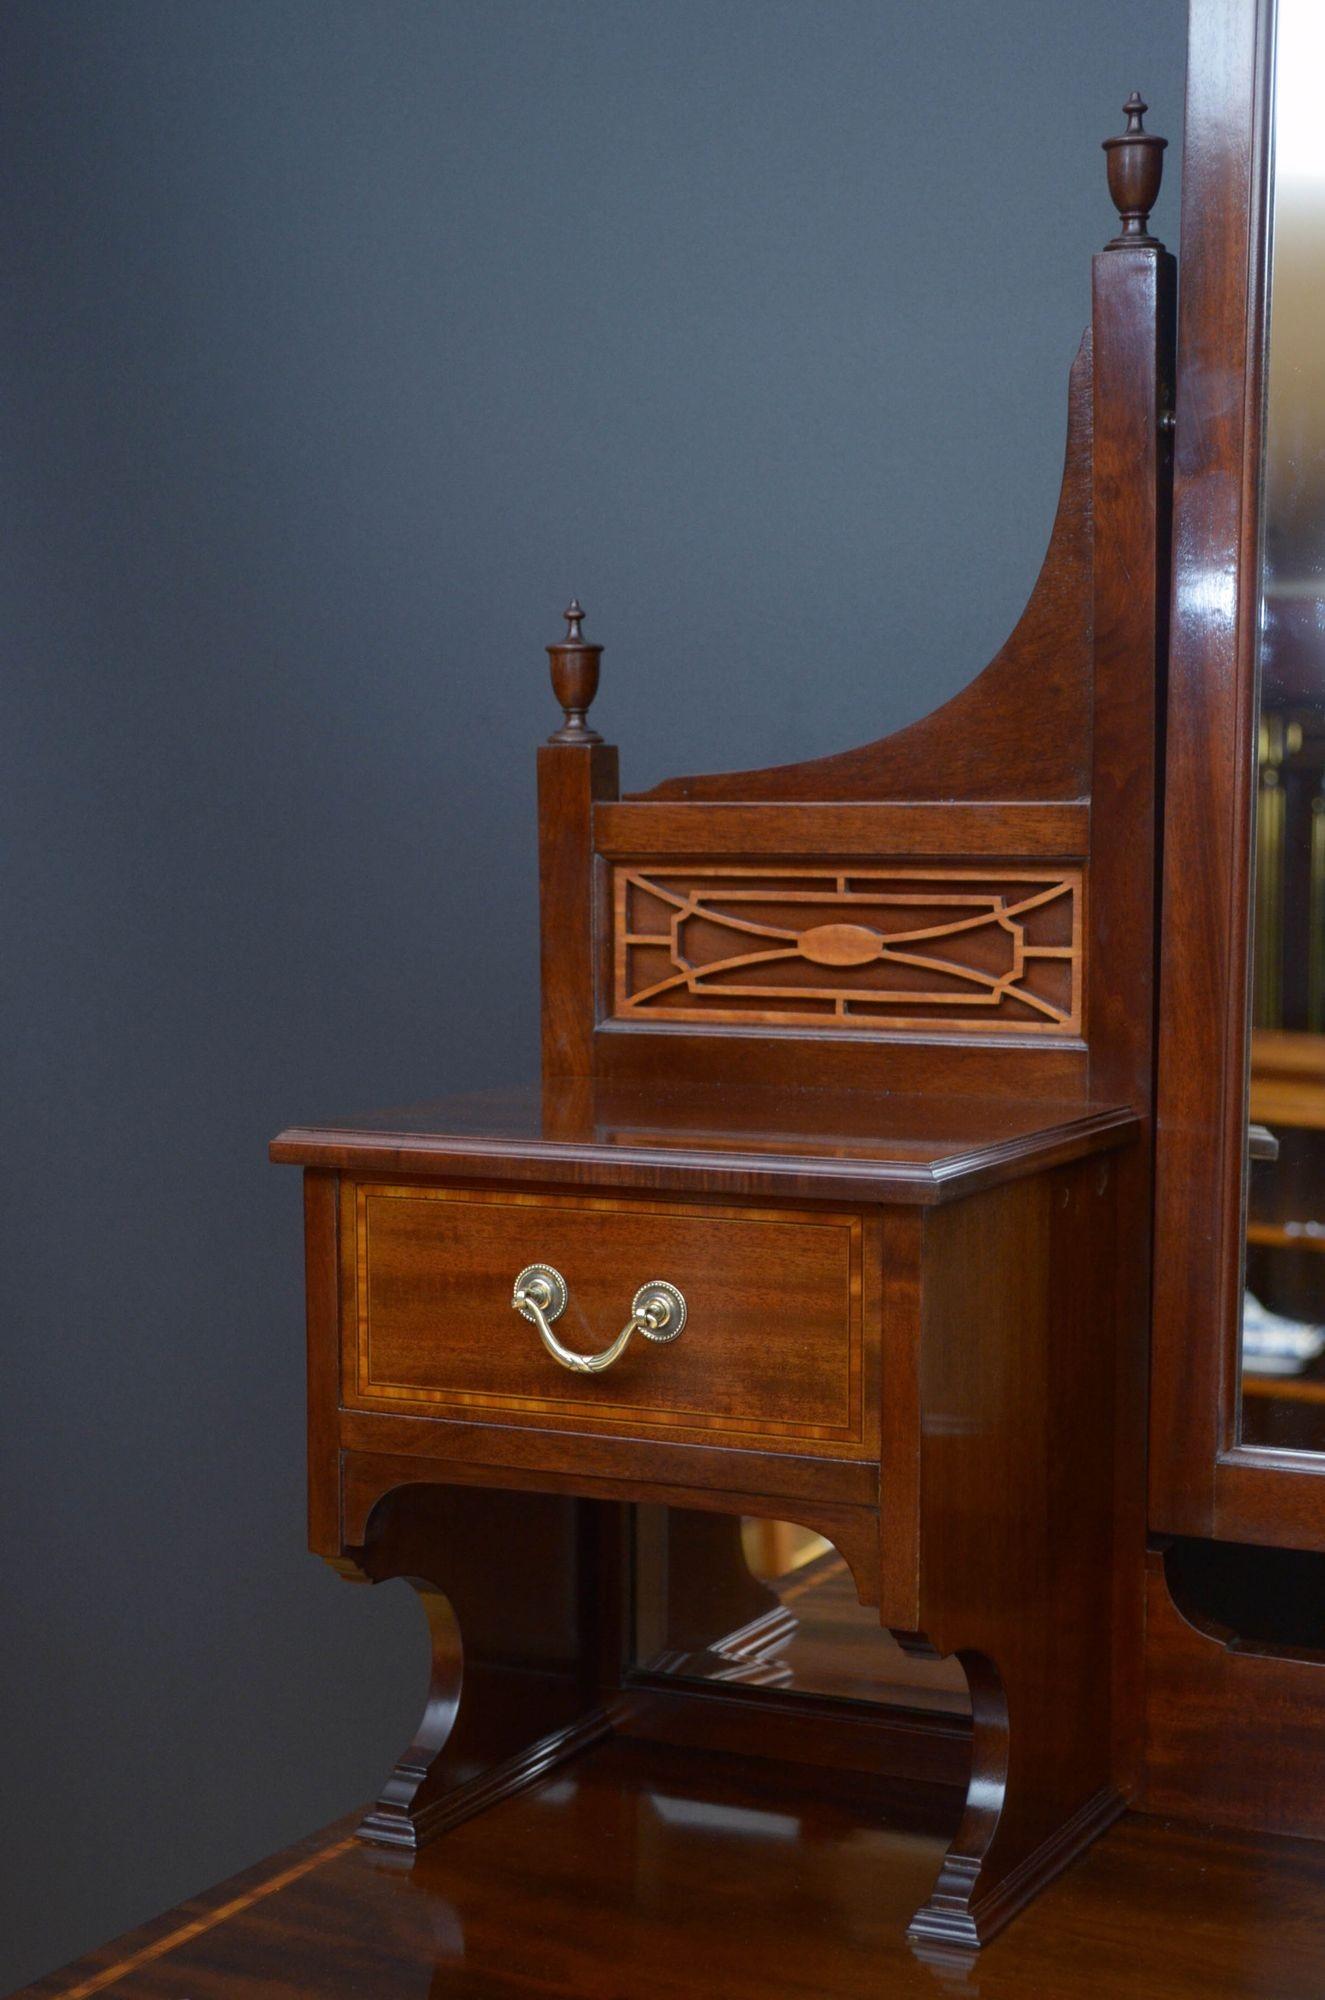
(646, 1873)
(852, 1145)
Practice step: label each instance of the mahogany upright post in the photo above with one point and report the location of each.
(1031, 1806)
(1134, 282)
(576, 769)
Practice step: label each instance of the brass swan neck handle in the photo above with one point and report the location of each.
(658, 1311)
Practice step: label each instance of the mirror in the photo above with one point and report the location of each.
(768, 1604)
(1283, 1327)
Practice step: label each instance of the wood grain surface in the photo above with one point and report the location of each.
(641, 1874)
(773, 1349)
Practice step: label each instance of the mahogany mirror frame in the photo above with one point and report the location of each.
(1203, 1480)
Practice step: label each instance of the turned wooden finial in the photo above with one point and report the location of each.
(574, 678)
(1136, 166)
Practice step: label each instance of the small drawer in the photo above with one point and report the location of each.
(773, 1352)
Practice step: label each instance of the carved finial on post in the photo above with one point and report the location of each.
(1136, 166)
(574, 678)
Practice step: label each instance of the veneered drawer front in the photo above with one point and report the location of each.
(772, 1352)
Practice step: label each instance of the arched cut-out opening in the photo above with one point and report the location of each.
(1268, 1600)
(770, 1603)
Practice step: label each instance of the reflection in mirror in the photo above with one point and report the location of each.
(769, 1604)
(1283, 1330)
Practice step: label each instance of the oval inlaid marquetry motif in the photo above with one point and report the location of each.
(839, 944)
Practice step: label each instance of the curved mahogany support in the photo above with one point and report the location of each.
(1262, 1701)
(1023, 1558)
(950, 1916)
(978, 745)
(419, 1783)
(518, 1592)
(1025, 1817)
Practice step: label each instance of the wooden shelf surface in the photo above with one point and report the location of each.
(1284, 1388)
(1287, 1079)
(816, 1144)
(1283, 1236)
(642, 1873)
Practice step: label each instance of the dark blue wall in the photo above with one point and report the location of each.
(342, 342)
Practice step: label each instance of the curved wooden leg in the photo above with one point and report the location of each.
(1026, 1816)
(1010, 1519)
(410, 1802)
(520, 1630)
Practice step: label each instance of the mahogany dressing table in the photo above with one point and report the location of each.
(829, 1222)
(831, 1207)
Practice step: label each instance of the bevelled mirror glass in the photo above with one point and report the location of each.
(1283, 1327)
